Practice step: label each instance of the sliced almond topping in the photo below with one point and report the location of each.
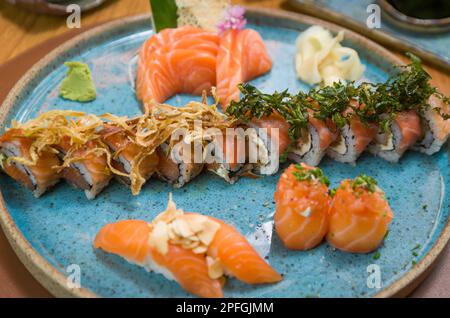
(215, 268)
(182, 228)
(159, 237)
(194, 224)
(191, 231)
(306, 213)
(188, 244)
(209, 230)
(200, 249)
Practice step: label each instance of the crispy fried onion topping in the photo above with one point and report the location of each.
(78, 130)
(189, 230)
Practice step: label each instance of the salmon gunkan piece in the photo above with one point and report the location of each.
(301, 215)
(359, 218)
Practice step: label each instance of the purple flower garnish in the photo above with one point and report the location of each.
(233, 20)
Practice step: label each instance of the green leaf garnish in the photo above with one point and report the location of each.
(164, 14)
(407, 89)
(255, 104)
(303, 174)
(364, 181)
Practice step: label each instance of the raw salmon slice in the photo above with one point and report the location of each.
(242, 57)
(239, 258)
(181, 60)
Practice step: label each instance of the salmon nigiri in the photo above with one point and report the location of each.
(302, 205)
(190, 248)
(242, 56)
(129, 239)
(239, 258)
(359, 216)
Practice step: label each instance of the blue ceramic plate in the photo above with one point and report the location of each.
(56, 231)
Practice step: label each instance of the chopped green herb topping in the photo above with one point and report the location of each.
(376, 255)
(255, 104)
(416, 247)
(366, 182)
(408, 88)
(332, 192)
(302, 174)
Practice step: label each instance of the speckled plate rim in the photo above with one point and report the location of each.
(53, 280)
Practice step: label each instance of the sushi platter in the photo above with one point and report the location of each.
(348, 198)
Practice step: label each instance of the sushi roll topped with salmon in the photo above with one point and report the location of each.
(302, 205)
(35, 169)
(359, 216)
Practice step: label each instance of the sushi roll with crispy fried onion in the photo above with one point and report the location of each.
(86, 166)
(229, 156)
(136, 162)
(35, 169)
(359, 216)
(302, 204)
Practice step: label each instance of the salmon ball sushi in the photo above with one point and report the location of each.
(302, 204)
(359, 216)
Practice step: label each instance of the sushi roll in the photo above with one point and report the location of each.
(180, 171)
(36, 170)
(269, 141)
(131, 159)
(230, 160)
(353, 138)
(435, 129)
(359, 216)
(302, 205)
(401, 134)
(86, 166)
(196, 251)
(313, 142)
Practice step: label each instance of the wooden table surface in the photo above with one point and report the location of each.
(21, 30)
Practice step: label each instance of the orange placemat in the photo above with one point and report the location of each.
(16, 281)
